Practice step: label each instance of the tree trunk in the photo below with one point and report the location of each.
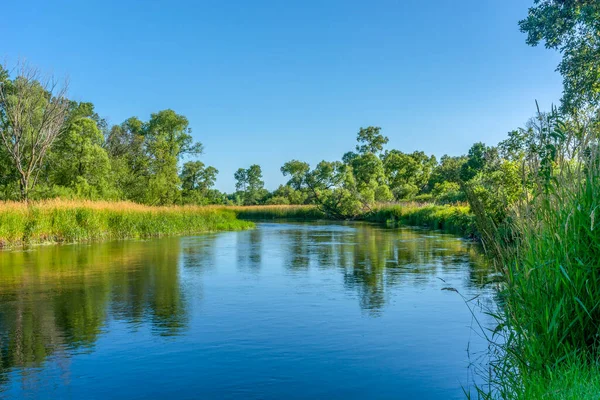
(24, 188)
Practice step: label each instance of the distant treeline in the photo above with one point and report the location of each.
(53, 147)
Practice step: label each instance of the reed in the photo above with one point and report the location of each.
(450, 218)
(548, 334)
(70, 221)
(291, 212)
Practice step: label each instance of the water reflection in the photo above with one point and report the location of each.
(373, 259)
(59, 297)
(57, 301)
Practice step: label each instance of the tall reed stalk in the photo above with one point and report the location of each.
(549, 329)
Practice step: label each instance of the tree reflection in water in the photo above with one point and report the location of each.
(57, 300)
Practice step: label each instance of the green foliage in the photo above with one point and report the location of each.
(448, 193)
(286, 194)
(197, 181)
(167, 137)
(78, 160)
(370, 140)
(541, 202)
(457, 219)
(250, 185)
(573, 28)
(297, 171)
(282, 212)
(69, 222)
(408, 174)
(32, 116)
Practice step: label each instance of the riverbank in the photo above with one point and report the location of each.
(448, 218)
(62, 221)
(274, 212)
(65, 221)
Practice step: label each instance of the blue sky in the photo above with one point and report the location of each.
(268, 81)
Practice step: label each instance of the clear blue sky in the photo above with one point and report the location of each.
(268, 81)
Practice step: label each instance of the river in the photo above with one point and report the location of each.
(284, 311)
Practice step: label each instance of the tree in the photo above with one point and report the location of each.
(33, 113)
(168, 138)
(78, 159)
(196, 176)
(369, 178)
(241, 177)
(297, 171)
(250, 184)
(448, 170)
(476, 162)
(408, 174)
(197, 181)
(370, 140)
(126, 147)
(286, 194)
(573, 28)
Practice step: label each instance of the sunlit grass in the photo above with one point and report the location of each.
(549, 325)
(296, 212)
(449, 218)
(69, 221)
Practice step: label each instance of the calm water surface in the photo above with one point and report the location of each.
(280, 312)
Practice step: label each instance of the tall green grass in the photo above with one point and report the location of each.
(450, 218)
(549, 326)
(271, 212)
(76, 221)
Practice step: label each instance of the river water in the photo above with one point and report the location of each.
(284, 311)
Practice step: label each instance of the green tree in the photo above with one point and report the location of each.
(125, 144)
(369, 176)
(168, 138)
(197, 181)
(370, 140)
(250, 185)
(476, 161)
(408, 174)
(285, 194)
(78, 159)
(573, 28)
(296, 170)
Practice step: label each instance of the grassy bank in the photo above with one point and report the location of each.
(60, 221)
(292, 212)
(552, 294)
(450, 218)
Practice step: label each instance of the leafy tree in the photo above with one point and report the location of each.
(250, 185)
(196, 176)
(78, 159)
(297, 172)
(130, 162)
(447, 170)
(168, 138)
(348, 157)
(370, 140)
(408, 174)
(286, 194)
(197, 181)
(448, 192)
(573, 28)
(369, 176)
(476, 161)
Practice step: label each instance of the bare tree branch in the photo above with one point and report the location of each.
(33, 111)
